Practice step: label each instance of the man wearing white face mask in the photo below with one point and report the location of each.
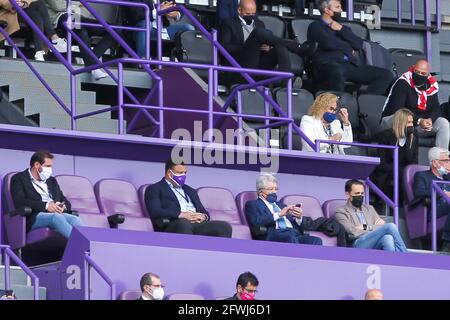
(171, 199)
(151, 287)
(439, 170)
(36, 188)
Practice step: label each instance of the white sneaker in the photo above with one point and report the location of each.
(75, 49)
(39, 56)
(60, 45)
(99, 74)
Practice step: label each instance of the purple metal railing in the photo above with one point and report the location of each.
(89, 262)
(394, 204)
(436, 189)
(8, 254)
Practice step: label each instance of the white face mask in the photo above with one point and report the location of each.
(158, 294)
(45, 173)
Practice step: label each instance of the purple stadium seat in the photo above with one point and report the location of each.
(416, 218)
(120, 197)
(329, 207)
(311, 208)
(130, 295)
(79, 191)
(141, 195)
(184, 296)
(221, 206)
(16, 227)
(241, 200)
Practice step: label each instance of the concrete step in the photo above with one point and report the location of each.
(24, 292)
(39, 93)
(95, 124)
(45, 108)
(18, 276)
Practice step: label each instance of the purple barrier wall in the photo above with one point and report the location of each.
(210, 266)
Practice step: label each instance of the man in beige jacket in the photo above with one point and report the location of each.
(363, 223)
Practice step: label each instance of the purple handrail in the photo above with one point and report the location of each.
(9, 254)
(436, 189)
(89, 262)
(393, 204)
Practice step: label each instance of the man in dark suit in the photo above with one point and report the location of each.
(172, 199)
(335, 60)
(151, 287)
(252, 45)
(246, 286)
(439, 169)
(36, 188)
(282, 222)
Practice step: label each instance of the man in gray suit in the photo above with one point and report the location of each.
(363, 223)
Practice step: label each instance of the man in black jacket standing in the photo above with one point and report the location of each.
(417, 91)
(172, 199)
(36, 188)
(335, 60)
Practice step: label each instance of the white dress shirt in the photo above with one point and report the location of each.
(41, 188)
(276, 216)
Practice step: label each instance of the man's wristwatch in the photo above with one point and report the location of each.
(365, 226)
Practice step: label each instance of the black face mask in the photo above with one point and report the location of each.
(336, 16)
(419, 80)
(409, 130)
(357, 201)
(248, 18)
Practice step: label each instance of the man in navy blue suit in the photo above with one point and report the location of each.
(439, 170)
(177, 202)
(282, 222)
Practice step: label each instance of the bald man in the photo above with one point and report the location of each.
(374, 294)
(246, 38)
(417, 90)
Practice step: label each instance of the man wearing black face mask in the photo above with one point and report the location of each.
(335, 60)
(417, 91)
(363, 223)
(252, 45)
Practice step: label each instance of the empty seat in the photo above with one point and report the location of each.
(79, 191)
(241, 200)
(120, 197)
(371, 107)
(130, 295)
(300, 29)
(254, 104)
(301, 101)
(329, 207)
(220, 204)
(274, 24)
(184, 296)
(311, 208)
(416, 216)
(15, 226)
(358, 29)
(405, 58)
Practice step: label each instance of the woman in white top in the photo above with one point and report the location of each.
(321, 123)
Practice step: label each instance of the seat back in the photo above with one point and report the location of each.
(253, 103)
(120, 197)
(7, 191)
(220, 204)
(358, 29)
(184, 296)
(130, 295)
(371, 107)
(241, 200)
(405, 58)
(329, 207)
(310, 205)
(301, 101)
(274, 24)
(300, 29)
(192, 46)
(408, 179)
(141, 195)
(79, 191)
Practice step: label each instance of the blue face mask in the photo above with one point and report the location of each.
(329, 117)
(442, 171)
(272, 198)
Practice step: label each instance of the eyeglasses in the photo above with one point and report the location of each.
(250, 291)
(422, 73)
(444, 160)
(271, 189)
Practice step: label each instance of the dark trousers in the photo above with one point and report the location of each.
(442, 209)
(206, 228)
(39, 14)
(292, 235)
(332, 77)
(252, 57)
(100, 48)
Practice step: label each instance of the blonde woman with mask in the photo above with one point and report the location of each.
(322, 123)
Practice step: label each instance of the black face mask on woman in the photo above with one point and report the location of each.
(419, 80)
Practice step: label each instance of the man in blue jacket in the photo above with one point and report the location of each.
(282, 222)
(335, 60)
(439, 169)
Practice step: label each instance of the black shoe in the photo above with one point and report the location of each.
(3, 24)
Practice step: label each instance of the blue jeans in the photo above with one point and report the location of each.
(171, 30)
(60, 222)
(385, 238)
